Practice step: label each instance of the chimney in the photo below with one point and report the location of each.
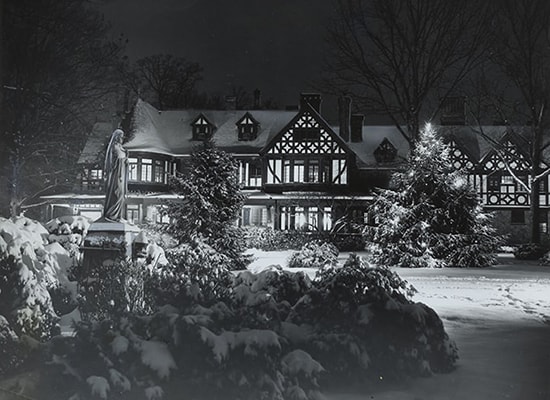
(452, 111)
(313, 99)
(230, 102)
(357, 127)
(257, 99)
(344, 116)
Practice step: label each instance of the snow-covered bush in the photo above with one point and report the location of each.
(271, 335)
(365, 324)
(530, 251)
(432, 217)
(69, 231)
(10, 348)
(315, 254)
(28, 270)
(195, 273)
(268, 239)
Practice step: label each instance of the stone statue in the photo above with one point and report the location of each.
(116, 177)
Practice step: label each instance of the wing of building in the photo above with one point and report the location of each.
(298, 171)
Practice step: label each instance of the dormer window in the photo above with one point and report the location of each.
(202, 128)
(248, 127)
(386, 152)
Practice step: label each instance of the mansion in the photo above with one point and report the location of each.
(298, 171)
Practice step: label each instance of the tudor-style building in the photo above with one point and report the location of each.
(298, 171)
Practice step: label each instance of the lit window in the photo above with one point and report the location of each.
(299, 167)
(132, 213)
(96, 174)
(255, 175)
(146, 170)
(133, 169)
(159, 171)
(286, 171)
(313, 171)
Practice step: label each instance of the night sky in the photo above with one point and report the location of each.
(274, 45)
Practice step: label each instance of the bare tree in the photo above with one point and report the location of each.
(395, 56)
(521, 52)
(170, 81)
(57, 75)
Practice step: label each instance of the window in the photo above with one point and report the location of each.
(286, 171)
(255, 178)
(518, 217)
(159, 171)
(493, 183)
(146, 170)
(133, 169)
(313, 171)
(132, 213)
(96, 174)
(299, 167)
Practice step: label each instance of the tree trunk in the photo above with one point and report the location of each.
(535, 212)
(536, 155)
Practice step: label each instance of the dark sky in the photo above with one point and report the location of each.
(274, 45)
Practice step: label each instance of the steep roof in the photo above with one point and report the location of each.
(96, 143)
(170, 132)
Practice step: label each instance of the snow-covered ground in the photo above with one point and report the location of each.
(500, 320)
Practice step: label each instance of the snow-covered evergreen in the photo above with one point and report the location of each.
(432, 216)
(211, 202)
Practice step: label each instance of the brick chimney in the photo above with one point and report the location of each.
(230, 103)
(357, 127)
(313, 99)
(452, 111)
(257, 99)
(344, 116)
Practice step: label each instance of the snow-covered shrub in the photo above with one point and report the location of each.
(272, 335)
(10, 347)
(195, 273)
(315, 254)
(365, 324)
(530, 251)
(346, 243)
(432, 216)
(27, 270)
(69, 231)
(111, 289)
(268, 239)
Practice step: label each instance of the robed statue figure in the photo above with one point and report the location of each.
(116, 177)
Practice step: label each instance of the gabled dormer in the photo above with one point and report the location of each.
(247, 127)
(202, 128)
(386, 152)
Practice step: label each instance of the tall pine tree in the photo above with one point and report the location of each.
(432, 216)
(211, 201)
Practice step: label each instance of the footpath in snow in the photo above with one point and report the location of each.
(500, 319)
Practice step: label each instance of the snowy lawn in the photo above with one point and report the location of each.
(500, 320)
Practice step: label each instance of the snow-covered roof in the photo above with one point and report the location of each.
(93, 151)
(170, 132)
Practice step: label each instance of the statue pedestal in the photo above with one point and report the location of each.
(108, 241)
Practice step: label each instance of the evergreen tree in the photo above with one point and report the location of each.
(432, 216)
(211, 202)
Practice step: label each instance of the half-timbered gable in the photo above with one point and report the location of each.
(461, 160)
(504, 175)
(305, 153)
